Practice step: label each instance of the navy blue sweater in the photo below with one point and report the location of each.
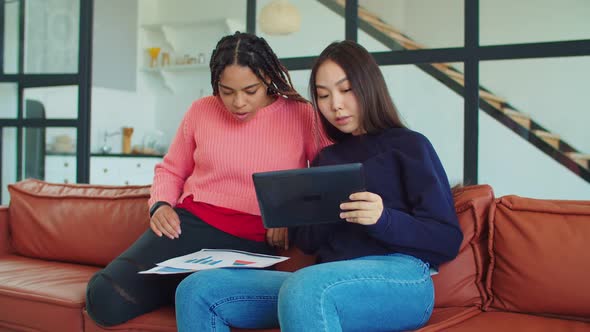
(418, 218)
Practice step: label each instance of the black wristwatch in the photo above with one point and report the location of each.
(156, 206)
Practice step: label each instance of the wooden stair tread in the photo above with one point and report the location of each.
(455, 74)
(582, 159)
(549, 138)
(578, 155)
(515, 114)
(386, 28)
(440, 66)
(495, 101)
(522, 119)
(486, 95)
(543, 133)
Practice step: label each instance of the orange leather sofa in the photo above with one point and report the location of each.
(524, 264)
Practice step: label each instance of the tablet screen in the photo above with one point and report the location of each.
(306, 196)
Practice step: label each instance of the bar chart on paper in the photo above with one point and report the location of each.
(206, 259)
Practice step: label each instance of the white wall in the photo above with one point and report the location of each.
(114, 109)
(114, 35)
(552, 90)
(8, 100)
(546, 88)
(174, 93)
(425, 104)
(59, 102)
(8, 142)
(394, 11)
(440, 23)
(171, 93)
(431, 23)
(528, 21)
(190, 10)
(319, 27)
(543, 88)
(11, 38)
(52, 36)
(116, 100)
(513, 166)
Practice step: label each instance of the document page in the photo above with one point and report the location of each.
(206, 259)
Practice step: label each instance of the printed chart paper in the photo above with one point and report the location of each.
(206, 259)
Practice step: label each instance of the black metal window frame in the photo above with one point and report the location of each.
(470, 54)
(82, 79)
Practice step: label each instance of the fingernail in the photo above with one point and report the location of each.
(341, 215)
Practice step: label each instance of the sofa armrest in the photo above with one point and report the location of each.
(4, 237)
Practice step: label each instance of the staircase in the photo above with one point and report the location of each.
(497, 107)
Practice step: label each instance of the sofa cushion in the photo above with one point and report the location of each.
(442, 318)
(297, 260)
(41, 295)
(4, 236)
(161, 320)
(507, 321)
(540, 262)
(76, 223)
(460, 282)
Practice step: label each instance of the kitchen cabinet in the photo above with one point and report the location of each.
(112, 170)
(60, 168)
(104, 169)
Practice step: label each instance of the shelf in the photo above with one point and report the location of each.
(126, 155)
(183, 37)
(200, 66)
(176, 78)
(226, 24)
(181, 41)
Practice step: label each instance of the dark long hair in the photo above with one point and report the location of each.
(378, 112)
(248, 50)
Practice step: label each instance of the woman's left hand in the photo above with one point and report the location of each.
(278, 237)
(365, 208)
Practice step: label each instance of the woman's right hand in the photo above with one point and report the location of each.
(165, 221)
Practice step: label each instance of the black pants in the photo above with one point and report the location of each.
(118, 293)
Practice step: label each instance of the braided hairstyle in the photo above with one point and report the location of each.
(250, 51)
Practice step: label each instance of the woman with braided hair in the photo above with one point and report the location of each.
(202, 194)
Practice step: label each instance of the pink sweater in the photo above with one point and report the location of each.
(213, 155)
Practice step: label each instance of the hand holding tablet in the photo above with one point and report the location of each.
(306, 196)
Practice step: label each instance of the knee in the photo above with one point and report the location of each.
(299, 288)
(187, 291)
(199, 291)
(103, 303)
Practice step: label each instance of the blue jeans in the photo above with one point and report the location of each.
(373, 293)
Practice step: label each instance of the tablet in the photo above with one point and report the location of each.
(306, 196)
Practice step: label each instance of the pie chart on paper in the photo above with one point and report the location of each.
(241, 262)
